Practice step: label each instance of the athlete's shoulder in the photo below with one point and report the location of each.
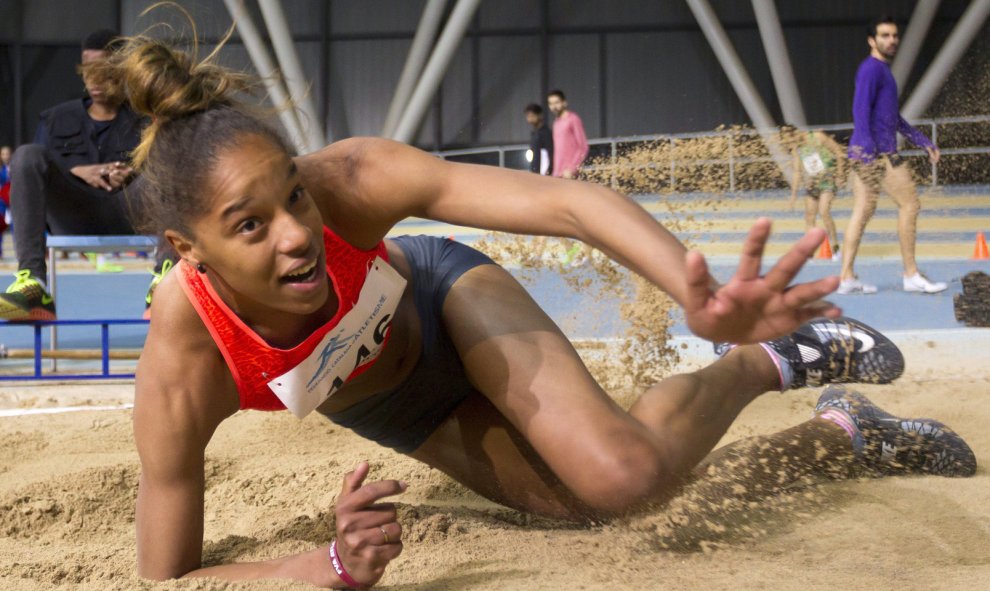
(174, 318)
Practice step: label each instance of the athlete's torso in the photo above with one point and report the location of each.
(253, 363)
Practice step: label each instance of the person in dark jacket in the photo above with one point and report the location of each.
(540, 141)
(72, 179)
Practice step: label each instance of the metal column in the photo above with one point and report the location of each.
(428, 84)
(780, 62)
(266, 70)
(429, 23)
(969, 25)
(731, 64)
(295, 80)
(740, 80)
(914, 38)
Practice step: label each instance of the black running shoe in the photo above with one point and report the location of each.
(891, 445)
(839, 351)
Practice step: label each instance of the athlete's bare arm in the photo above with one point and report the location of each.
(840, 156)
(365, 186)
(183, 392)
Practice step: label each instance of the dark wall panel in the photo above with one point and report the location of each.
(457, 103)
(628, 66)
(363, 75)
(661, 92)
(57, 20)
(509, 14)
(509, 80)
(574, 69)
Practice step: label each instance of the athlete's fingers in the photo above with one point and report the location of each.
(808, 294)
(789, 265)
(751, 258)
(698, 281)
(367, 496)
(354, 478)
(391, 532)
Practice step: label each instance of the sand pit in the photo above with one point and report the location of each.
(68, 482)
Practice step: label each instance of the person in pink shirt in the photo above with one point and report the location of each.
(570, 145)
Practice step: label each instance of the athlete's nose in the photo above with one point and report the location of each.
(294, 237)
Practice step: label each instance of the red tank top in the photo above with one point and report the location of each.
(251, 360)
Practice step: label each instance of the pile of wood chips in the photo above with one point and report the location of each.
(972, 306)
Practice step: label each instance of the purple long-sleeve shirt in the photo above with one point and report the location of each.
(876, 118)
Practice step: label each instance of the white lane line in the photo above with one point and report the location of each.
(17, 412)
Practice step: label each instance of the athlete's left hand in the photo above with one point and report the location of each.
(751, 307)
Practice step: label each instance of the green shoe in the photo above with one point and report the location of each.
(26, 299)
(102, 266)
(155, 280)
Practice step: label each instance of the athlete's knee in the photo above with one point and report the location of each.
(630, 474)
(911, 207)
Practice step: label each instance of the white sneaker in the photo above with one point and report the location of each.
(918, 283)
(851, 286)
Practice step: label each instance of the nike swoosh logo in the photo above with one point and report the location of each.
(852, 333)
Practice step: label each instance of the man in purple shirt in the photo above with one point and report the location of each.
(876, 164)
(570, 145)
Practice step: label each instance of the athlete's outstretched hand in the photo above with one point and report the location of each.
(368, 536)
(753, 307)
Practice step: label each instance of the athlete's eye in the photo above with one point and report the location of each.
(296, 195)
(248, 226)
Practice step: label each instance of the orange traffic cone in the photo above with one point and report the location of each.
(825, 250)
(980, 252)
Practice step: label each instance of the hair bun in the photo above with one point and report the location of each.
(167, 84)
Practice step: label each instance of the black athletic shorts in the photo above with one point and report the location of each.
(403, 418)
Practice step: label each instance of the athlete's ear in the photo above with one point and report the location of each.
(182, 245)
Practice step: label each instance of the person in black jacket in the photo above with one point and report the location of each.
(71, 180)
(540, 141)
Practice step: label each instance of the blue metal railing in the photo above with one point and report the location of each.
(38, 325)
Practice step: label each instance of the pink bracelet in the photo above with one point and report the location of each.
(338, 567)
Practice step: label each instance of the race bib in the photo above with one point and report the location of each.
(356, 340)
(813, 164)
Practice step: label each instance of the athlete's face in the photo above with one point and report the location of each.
(261, 239)
(884, 44)
(556, 104)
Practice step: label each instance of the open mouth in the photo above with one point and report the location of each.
(302, 275)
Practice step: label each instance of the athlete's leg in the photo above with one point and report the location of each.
(825, 210)
(865, 197)
(546, 437)
(897, 182)
(757, 467)
(810, 212)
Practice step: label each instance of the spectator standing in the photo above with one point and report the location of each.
(818, 165)
(569, 141)
(877, 166)
(540, 141)
(5, 153)
(71, 179)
